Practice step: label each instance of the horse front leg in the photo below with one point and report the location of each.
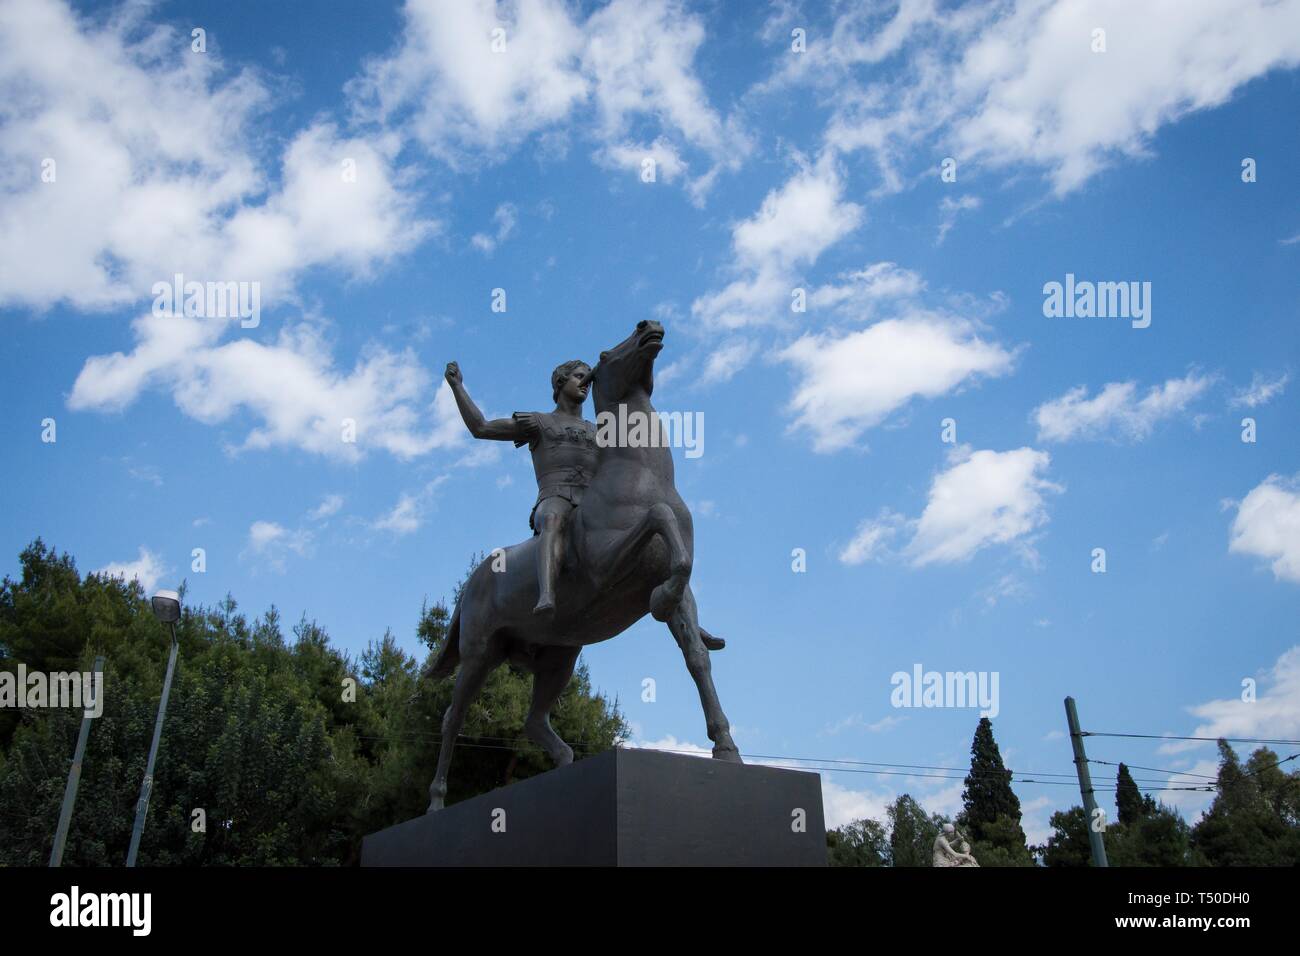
(685, 625)
(659, 519)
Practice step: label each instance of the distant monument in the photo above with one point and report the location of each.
(944, 852)
(613, 541)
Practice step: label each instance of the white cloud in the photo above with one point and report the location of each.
(1007, 587)
(1267, 526)
(328, 507)
(292, 388)
(1261, 391)
(863, 291)
(504, 219)
(147, 568)
(155, 171)
(726, 360)
(794, 225)
(1019, 84)
(461, 94)
(1273, 715)
(855, 722)
(872, 537)
(950, 209)
(672, 744)
(852, 382)
(984, 498)
(1116, 409)
(272, 543)
(411, 510)
(668, 164)
(630, 61)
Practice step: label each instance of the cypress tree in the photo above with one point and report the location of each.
(988, 794)
(1128, 799)
(991, 807)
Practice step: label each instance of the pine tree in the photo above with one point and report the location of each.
(273, 751)
(1247, 824)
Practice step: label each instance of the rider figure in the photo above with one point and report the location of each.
(564, 458)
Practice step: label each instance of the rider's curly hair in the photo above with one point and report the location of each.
(561, 373)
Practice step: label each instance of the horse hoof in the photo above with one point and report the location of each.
(729, 754)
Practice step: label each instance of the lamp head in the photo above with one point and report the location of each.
(167, 607)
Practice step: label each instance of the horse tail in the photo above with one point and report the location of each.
(449, 654)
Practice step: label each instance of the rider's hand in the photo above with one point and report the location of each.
(452, 374)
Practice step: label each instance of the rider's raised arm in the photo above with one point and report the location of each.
(498, 429)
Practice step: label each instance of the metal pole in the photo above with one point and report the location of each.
(146, 788)
(74, 774)
(1085, 785)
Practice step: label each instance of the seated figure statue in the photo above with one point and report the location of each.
(944, 852)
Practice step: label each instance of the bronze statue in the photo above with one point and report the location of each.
(625, 548)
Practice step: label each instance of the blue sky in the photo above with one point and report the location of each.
(775, 171)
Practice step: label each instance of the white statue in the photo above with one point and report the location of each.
(946, 855)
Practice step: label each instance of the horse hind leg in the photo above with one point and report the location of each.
(685, 626)
(551, 672)
(476, 664)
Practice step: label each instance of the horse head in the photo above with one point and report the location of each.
(625, 373)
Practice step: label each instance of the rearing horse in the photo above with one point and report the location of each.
(631, 545)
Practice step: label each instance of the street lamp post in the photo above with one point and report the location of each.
(167, 608)
(74, 775)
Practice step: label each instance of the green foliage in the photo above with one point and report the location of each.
(991, 808)
(862, 843)
(1253, 819)
(911, 833)
(262, 734)
(1129, 801)
(1068, 843)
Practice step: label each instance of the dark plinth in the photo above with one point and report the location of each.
(622, 808)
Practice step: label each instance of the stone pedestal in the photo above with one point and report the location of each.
(623, 808)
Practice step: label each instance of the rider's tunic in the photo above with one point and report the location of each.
(564, 457)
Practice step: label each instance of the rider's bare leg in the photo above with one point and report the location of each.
(552, 519)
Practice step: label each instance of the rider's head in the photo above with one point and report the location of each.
(563, 373)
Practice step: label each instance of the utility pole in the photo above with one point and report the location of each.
(1094, 815)
(167, 608)
(74, 774)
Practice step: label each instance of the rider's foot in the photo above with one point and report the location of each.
(710, 642)
(545, 607)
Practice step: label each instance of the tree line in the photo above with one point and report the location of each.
(278, 748)
(1254, 820)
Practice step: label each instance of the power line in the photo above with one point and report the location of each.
(1133, 766)
(1235, 740)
